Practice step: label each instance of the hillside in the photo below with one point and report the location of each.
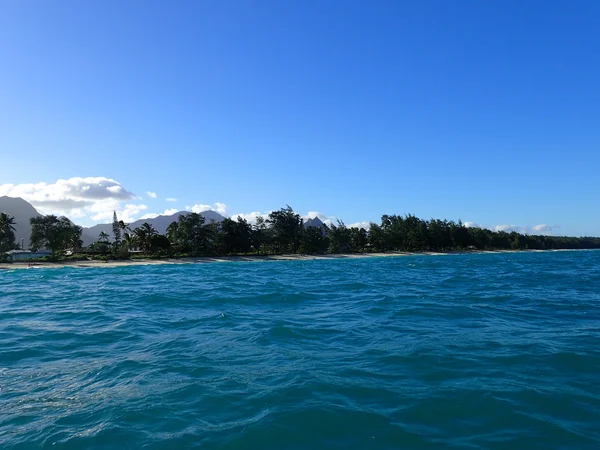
(160, 223)
(22, 211)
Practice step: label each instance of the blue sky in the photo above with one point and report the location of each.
(484, 111)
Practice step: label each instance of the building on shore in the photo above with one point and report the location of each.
(21, 255)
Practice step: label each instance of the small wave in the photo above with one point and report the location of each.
(474, 351)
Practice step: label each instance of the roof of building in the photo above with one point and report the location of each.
(16, 252)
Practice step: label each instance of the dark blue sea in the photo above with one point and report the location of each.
(475, 351)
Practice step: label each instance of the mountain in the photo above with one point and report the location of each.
(160, 223)
(22, 211)
(314, 222)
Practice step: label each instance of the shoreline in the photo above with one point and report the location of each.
(253, 258)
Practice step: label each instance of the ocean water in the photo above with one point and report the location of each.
(478, 351)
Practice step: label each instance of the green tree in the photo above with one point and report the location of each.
(235, 236)
(358, 239)
(461, 235)
(188, 234)
(73, 240)
(144, 234)
(438, 235)
(314, 240)
(212, 238)
(54, 233)
(116, 229)
(377, 238)
(261, 236)
(340, 239)
(227, 237)
(7, 232)
(130, 241)
(394, 232)
(159, 244)
(481, 238)
(415, 233)
(287, 227)
(173, 232)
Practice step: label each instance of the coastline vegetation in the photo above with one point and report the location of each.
(283, 232)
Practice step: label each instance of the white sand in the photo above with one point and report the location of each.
(197, 260)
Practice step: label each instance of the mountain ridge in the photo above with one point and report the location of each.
(22, 211)
(160, 223)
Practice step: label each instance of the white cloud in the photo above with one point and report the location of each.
(536, 229)
(472, 225)
(167, 212)
(127, 214)
(65, 195)
(511, 228)
(151, 194)
(171, 199)
(115, 189)
(544, 229)
(252, 217)
(198, 208)
(78, 197)
(365, 225)
(219, 207)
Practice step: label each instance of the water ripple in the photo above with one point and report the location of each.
(463, 351)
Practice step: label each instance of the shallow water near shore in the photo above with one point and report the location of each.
(489, 351)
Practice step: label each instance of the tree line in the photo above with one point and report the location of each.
(283, 231)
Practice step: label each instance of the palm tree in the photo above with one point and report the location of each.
(150, 230)
(172, 231)
(7, 232)
(74, 240)
(103, 238)
(144, 234)
(124, 226)
(130, 241)
(7, 223)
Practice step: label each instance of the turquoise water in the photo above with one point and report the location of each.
(480, 351)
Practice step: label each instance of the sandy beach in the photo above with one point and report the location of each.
(216, 259)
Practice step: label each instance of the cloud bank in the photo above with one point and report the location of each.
(93, 197)
(363, 225)
(219, 207)
(542, 229)
(252, 217)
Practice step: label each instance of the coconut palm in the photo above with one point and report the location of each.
(124, 226)
(144, 235)
(7, 223)
(7, 232)
(172, 231)
(130, 241)
(74, 241)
